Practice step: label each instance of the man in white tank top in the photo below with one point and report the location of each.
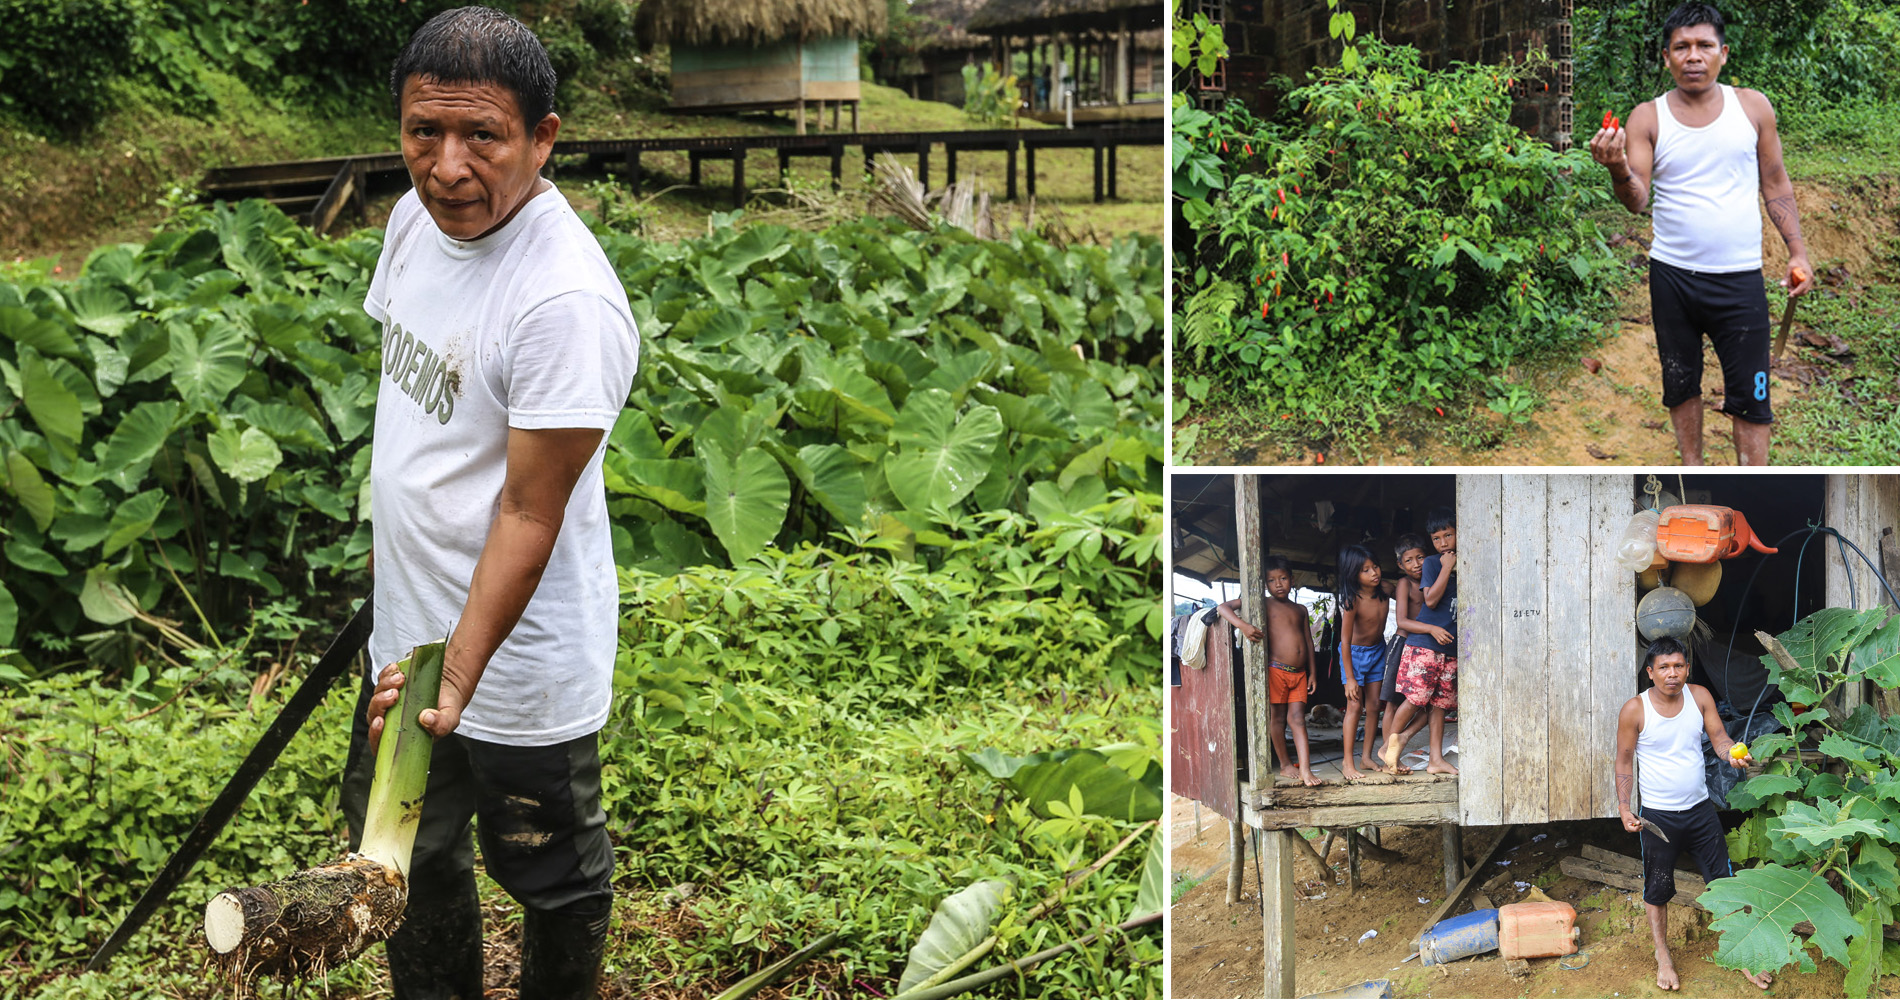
(1659, 735)
(1708, 151)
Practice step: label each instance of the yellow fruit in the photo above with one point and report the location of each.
(1738, 751)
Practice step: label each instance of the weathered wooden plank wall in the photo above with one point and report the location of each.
(1481, 696)
(1253, 592)
(1859, 507)
(1546, 633)
(1201, 714)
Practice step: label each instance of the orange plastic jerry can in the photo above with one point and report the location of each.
(1703, 533)
(1537, 930)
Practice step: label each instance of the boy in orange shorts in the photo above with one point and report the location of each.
(1290, 677)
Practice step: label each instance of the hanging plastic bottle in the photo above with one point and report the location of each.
(1637, 548)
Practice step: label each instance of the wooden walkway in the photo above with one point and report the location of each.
(317, 191)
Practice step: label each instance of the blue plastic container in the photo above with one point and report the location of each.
(1459, 937)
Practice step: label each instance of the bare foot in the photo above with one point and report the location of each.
(1666, 978)
(1289, 771)
(1394, 746)
(1310, 779)
(1367, 763)
(1437, 765)
(1762, 980)
(1352, 773)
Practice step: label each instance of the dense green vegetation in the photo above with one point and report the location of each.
(881, 497)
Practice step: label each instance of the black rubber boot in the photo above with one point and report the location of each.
(437, 952)
(561, 953)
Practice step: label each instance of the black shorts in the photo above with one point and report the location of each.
(1733, 310)
(1696, 830)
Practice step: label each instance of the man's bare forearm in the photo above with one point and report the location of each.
(1624, 784)
(1630, 190)
(1786, 216)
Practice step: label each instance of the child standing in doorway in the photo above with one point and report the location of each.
(1362, 607)
(1407, 597)
(1428, 673)
(1290, 674)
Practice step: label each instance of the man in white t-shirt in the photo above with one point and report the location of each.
(1711, 152)
(508, 351)
(1659, 734)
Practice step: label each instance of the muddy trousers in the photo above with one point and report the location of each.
(537, 813)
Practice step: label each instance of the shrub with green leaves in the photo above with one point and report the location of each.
(1389, 241)
(1824, 813)
(58, 58)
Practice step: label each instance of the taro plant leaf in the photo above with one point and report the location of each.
(32, 490)
(1879, 655)
(831, 474)
(101, 309)
(1760, 788)
(1152, 895)
(940, 457)
(205, 369)
(1043, 778)
(1874, 868)
(26, 327)
(1843, 748)
(103, 599)
(54, 406)
(139, 436)
(1818, 641)
(132, 519)
(961, 922)
(9, 616)
(246, 457)
(747, 496)
(1756, 910)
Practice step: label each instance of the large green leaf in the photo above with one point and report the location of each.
(1043, 778)
(32, 490)
(1756, 910)
(1879, 654)
(1760, 788)
(962, 921)
(206, 368)
(1153, 894)
(103, 599)
(101, 309)
(25, 555)
(1820, 827)
(246, 457)
(132, 519)
(24, 326)
(940, 457)
(832, 475)
(54, 406)
(746, 499)
(140, 434)
(9, 616)
(1865, 951)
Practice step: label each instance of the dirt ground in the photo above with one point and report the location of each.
(1215, 948)
(1615, 416)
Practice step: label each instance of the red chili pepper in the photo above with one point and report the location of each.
(1454, 126)
(1263, 310)
(1284, 262)
(1296, 187)
(1322, 457)
(1438, 410)
(1447, 236)
(1358, 105)
(1540, 249)
(1223, 145)
(1329, 298)
(1248, 147)
(1275, 213)
(1282, 193)
(1608, 117)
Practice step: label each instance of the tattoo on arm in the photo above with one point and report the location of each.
(1624, 782)
(1786, 217)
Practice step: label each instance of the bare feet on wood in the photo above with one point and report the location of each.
(1439, 766)
(1309, 779)
(1394, 745)
(1289, 772)
(1352, 773)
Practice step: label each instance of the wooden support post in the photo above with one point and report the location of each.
(837, 166)
(854, 116)
(869, 169)
(949, 164)
(738, 177)
(1012, 171)
(692, 172)
(818, 120)
(1253, 589)
(784, 164)
(1236, 859)
(1453, 843)
(1097, 149)
(1121, 60)
(1306, 848)
(633, 170)
(923, 164)
(1112, 147)
(837, 109)
(1353, 841)
(1030, 174)
(801, 114)
(1326, 850)
(1277, 900)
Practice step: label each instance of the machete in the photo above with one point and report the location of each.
(1787, 319)
(330, 666)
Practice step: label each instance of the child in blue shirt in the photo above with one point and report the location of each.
(1428, 671)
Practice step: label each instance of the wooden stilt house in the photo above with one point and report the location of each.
(1107, 52)
(747, 55)
(1548, 645)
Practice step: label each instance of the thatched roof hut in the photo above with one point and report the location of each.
(1001, 17)
(718, 23)
(948, 21)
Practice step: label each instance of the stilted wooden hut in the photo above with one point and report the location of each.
(933, 70)
(1547, 638)
(749, 55)
(1106, 51)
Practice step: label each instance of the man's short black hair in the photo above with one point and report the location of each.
(1439, 519)
(477, 45)
(1406, 543)
(1668, 645)
(1688, 15)
(1271, 563)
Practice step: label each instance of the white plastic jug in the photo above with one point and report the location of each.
(1637, 548)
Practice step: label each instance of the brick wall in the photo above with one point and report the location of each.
(1288, 38)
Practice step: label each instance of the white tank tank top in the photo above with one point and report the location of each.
(1708, 191)
(1669, 756)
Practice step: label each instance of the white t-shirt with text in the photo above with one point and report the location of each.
(525, 328)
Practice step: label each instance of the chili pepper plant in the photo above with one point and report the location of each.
(1388, 242)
